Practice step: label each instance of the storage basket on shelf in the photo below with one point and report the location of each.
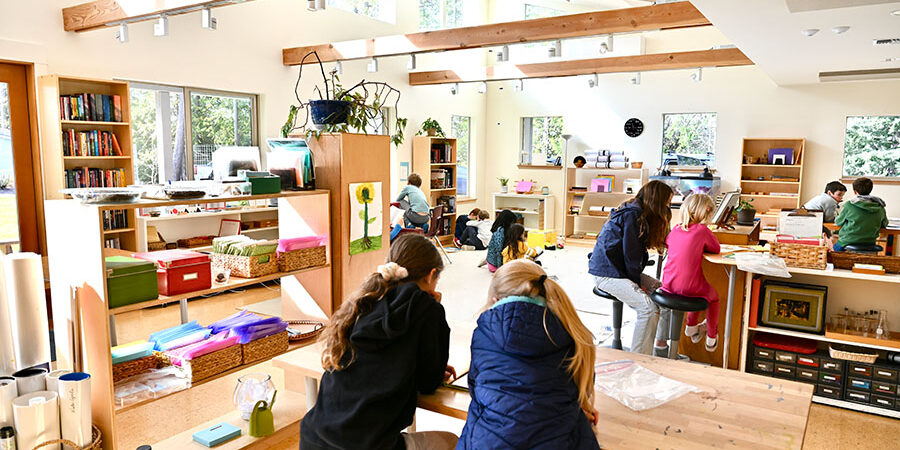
(294, 335)
(801, 255)
(265, 348)
(845, 354)
(247, 266)
(301, 259)
(846, 260)
(203, 367)
(138, 366)
(96, 442)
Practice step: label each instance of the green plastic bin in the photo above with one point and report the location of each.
(265, 185)
(130, 280)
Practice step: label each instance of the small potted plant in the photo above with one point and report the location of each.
(745, 212)
(504, 184)
(431, 127)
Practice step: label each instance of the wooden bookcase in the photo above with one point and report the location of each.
(581, 229)
(536, 210)
(50, 87)
(787, 180)
(424, 163)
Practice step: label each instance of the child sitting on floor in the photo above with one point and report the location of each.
(477, 234)
(461, 222)
(514, 246)
(683, 273)
(494, 257)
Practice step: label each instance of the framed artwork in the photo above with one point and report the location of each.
(781, 156)
(229, 227)
(601, 184)
(404, 170)
(365, 217)
(791, 306)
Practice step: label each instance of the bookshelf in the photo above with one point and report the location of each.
(434, 159)
(580, 227)
(759, 180)
(535, 210)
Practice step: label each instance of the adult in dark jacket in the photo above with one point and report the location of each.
(531, 374)
(620, 255)
(386, 344)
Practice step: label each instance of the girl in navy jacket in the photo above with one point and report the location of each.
(531, 378)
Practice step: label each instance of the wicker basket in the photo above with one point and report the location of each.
(846, 260)
(266, 347)
(247, 266)
(154, 246)
(203, 367)
(800, 255)
(138, 366)
(312, 334)
(840, 353)
(96, 441)
(197, 241)
(301, 259)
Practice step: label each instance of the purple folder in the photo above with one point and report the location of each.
(786, 153)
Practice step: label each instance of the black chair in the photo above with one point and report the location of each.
(676, 306)
(867, 249)
(617, 316)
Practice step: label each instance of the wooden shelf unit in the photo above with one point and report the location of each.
(760, 190)
(76, 263)
(423, 163)
(184, 226)
(583, 222)
(538, 209)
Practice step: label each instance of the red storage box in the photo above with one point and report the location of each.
(786, 343)
(180, 271)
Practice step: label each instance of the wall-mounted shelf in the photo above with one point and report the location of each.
(532, 166)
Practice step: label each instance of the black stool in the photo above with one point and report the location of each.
(677, 305)
(617, 316)
(864, 248)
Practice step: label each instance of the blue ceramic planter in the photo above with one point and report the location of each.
(329, 112)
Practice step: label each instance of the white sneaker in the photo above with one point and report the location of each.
(696, 332)
(468, 248)
(712, 343)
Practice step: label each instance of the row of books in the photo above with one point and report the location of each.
(442, 178)
(93, 107)
(90, 143)
(90, 177)
(115, 219)
(440, 153)
(113, 243)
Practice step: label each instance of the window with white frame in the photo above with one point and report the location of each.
(162, 125)
(438, 14)
(872, 146)
(383, 10)
(540, 12)
(689, 139)
(461, 129)
(542, 140)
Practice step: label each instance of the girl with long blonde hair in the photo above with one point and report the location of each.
(531, 377)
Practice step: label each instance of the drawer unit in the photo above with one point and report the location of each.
(763, 353)
(832, 379)
(831, 365)
(828, 391)
(857, 396)
(881, 387)
(885, 373)
(861, 384)
(884, 402)
(785, 371)
(859, 370)
(765, 367)
(807, 360)
(785, 357)
(807, 375)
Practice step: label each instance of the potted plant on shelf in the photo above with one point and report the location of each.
(339, 110)
(504, 184)
(745, 212)
(431, 127)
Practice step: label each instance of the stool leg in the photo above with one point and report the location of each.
(675, 322)
(617, 325)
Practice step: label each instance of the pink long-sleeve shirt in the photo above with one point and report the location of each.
(683, 273)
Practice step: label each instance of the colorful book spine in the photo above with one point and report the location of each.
(90, 107)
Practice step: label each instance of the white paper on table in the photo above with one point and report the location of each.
(809, 226)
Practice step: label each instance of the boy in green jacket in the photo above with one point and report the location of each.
(862, 219)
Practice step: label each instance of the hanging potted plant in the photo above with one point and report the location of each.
(504, 184)
(339, 110)
(431, 127)
(745, 212)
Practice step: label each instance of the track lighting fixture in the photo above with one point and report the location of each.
(520, 85)
(411, 65)
(636, 78)
(122, 34)
(315, 5)
(161, 27)
(454, 89)
(482, 87)
(372, 67)
(556, 50)
(593, 81)
(697, 75)
(607, 46)
(206, 18)
(339, 68)
(503, 54)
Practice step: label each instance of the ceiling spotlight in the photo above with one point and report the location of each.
(315, 5)
(896, 13)
(161, 27)
(122, 34)
(697, 75)
(810, 32)
(503, 54)
(372, 67)
(339, 68)
(593, 81)
(635, 79)
(411, 65)
(840, 30)
(482, 87)
(556, 50)
(520, 85)
(607, 47)
(454, 89)
(206, 18)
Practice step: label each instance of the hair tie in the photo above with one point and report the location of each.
(542, 279)
(392, 271)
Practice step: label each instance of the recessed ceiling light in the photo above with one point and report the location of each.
(840, 30)
(809, 32)
(895, 13)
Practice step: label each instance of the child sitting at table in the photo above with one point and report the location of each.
(683, 272)
(388, 342)
(515, 247)
(531, 376)
(862, 219)
(828, 202)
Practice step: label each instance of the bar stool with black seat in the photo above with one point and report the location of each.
(617, 316)
(677, 305)
(866, 249)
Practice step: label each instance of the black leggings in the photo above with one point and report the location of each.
(470, 237)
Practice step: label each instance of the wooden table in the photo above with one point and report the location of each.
(734, 409)
(740, 235)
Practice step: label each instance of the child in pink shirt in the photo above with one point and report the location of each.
(683, 273)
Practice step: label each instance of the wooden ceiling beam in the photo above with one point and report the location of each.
(639, 63)
(103, 13)
(644, 18)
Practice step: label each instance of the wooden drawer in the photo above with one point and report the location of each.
(833, 379)
(763, 353)
(828, 391)
(831, 365)
(785, 371)
(785, 357)
(884, 373)
(808, 361)
(859, 370)
(807, 375)
(861, 384)
(857, 396)
(884, 388)
(884, 402)
(766, 367)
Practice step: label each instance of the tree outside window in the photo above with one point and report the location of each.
(689, 139)
(540, 12)
(872, 146)
(383, 10)
(541, 138)
(438, 14)
(460, 129)
(217, 121)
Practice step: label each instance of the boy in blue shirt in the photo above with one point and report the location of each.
(413, 200)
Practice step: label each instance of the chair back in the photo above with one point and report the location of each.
(437, 215)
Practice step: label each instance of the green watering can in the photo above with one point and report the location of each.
(262, 422)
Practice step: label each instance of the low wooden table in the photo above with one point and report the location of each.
(735, 409)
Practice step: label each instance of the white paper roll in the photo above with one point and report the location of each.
(7, 349)
(37, 419)
(31, 380)
(75, 407)
(8, 393)
(27, 308)
(53, 379)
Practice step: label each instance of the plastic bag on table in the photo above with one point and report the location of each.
(762, 264)
(636, 387)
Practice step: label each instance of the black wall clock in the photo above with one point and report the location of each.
(634, 127)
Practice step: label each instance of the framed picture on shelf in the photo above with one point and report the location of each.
(792, 306)
(229, 227)
(781, 156)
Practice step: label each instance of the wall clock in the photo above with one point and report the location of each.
(634, 127)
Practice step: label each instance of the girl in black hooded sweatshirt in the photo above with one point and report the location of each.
(386, 344)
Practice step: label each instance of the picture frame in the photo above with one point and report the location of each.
(229, 227)
(793, 306)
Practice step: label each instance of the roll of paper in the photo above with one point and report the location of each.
(31, 380)
(75, 407)
(37, 419)
(8, 392)
(53, 379)
(24, 275)
(7, 349)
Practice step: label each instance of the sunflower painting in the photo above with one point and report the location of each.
(365, 217)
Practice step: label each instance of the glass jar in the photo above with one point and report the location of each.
(250, 389)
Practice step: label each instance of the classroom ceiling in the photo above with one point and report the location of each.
(771, 35)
